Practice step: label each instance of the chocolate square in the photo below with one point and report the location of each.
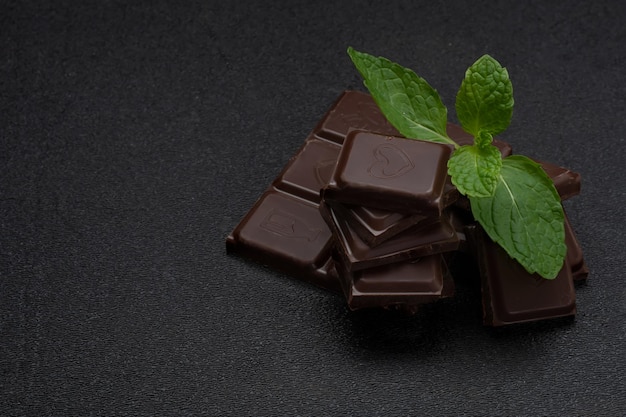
(390, 173)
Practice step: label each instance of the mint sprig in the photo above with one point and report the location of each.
(512, 198)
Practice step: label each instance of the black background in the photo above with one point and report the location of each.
(134, 137)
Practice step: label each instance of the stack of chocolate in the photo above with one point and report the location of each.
(362, 211)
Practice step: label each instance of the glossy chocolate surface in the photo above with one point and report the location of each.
(353, 110)
(390, 173)
(288, 234)
(375, 226)
(434, 237)
(512, 295)
(405, 283)
(566, 182)
(309, 170)
(268, 234)
(284, 229)
(575, 254)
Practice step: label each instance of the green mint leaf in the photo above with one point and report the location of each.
(410, 104)
(485, 100)
(475, 170)
(525, 216)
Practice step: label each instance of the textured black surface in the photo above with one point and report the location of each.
(133, 137)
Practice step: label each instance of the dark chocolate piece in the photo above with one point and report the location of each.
(399, 284)
(375, 226)
(287, 234)
(354, 110)
(390, 173)
(435, 237)
(309, 170)
(575, 254)
(512, 295)
(460, 219)
(566, 182)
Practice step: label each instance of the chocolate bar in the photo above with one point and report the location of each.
(511, 294)
(309, 170)
(390, 173)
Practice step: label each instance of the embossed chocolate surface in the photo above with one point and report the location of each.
(285, 233)
(310, 170)
(390, 173)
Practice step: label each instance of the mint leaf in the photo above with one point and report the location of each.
(485, 100)
(525, 216)
(475, 170)
(410, 104)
